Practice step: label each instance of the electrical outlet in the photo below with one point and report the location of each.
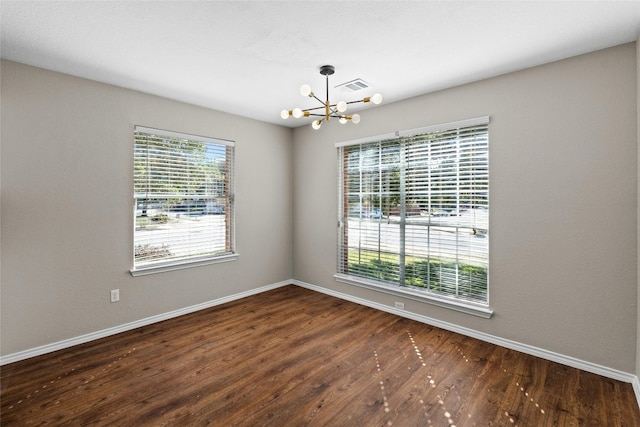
(115, 295)
(399, 305)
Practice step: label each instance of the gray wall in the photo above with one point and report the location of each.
(637, 337)
(564, 202)
(563, 191)
(67, 203)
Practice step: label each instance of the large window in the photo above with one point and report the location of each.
(414, 214)
(183, 193)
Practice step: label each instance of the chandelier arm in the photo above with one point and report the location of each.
(315, 108)
(319, 100)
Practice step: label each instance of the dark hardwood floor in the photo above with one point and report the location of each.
(294, 357)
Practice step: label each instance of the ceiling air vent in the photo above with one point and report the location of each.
(353, 85)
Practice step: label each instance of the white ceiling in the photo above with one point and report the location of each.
(250, 57)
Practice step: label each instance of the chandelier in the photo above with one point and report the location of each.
(330, 110)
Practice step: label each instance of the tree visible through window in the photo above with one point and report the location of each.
(183, 198)
(414, 211)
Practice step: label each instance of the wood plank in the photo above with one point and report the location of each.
(296, 357)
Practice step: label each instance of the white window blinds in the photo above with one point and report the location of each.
(414, 210)
(183, 187)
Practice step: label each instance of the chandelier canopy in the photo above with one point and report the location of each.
(336, 110)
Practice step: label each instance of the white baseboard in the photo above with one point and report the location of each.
(513, 345)
(60, 345)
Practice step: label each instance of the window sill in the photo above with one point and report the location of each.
(179, 265)
(467, 307)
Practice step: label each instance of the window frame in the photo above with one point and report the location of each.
(197, 259)
(400, 288)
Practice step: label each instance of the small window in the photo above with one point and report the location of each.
(183, 195)
(414, 214)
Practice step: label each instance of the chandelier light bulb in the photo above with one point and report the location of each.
(305, 90)
(316, 124)
(355, 118)
(341, 106)
(297, 113)
(285, 114)
(343, 120)
(376, 99)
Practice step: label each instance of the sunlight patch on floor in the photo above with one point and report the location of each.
(51, 383)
